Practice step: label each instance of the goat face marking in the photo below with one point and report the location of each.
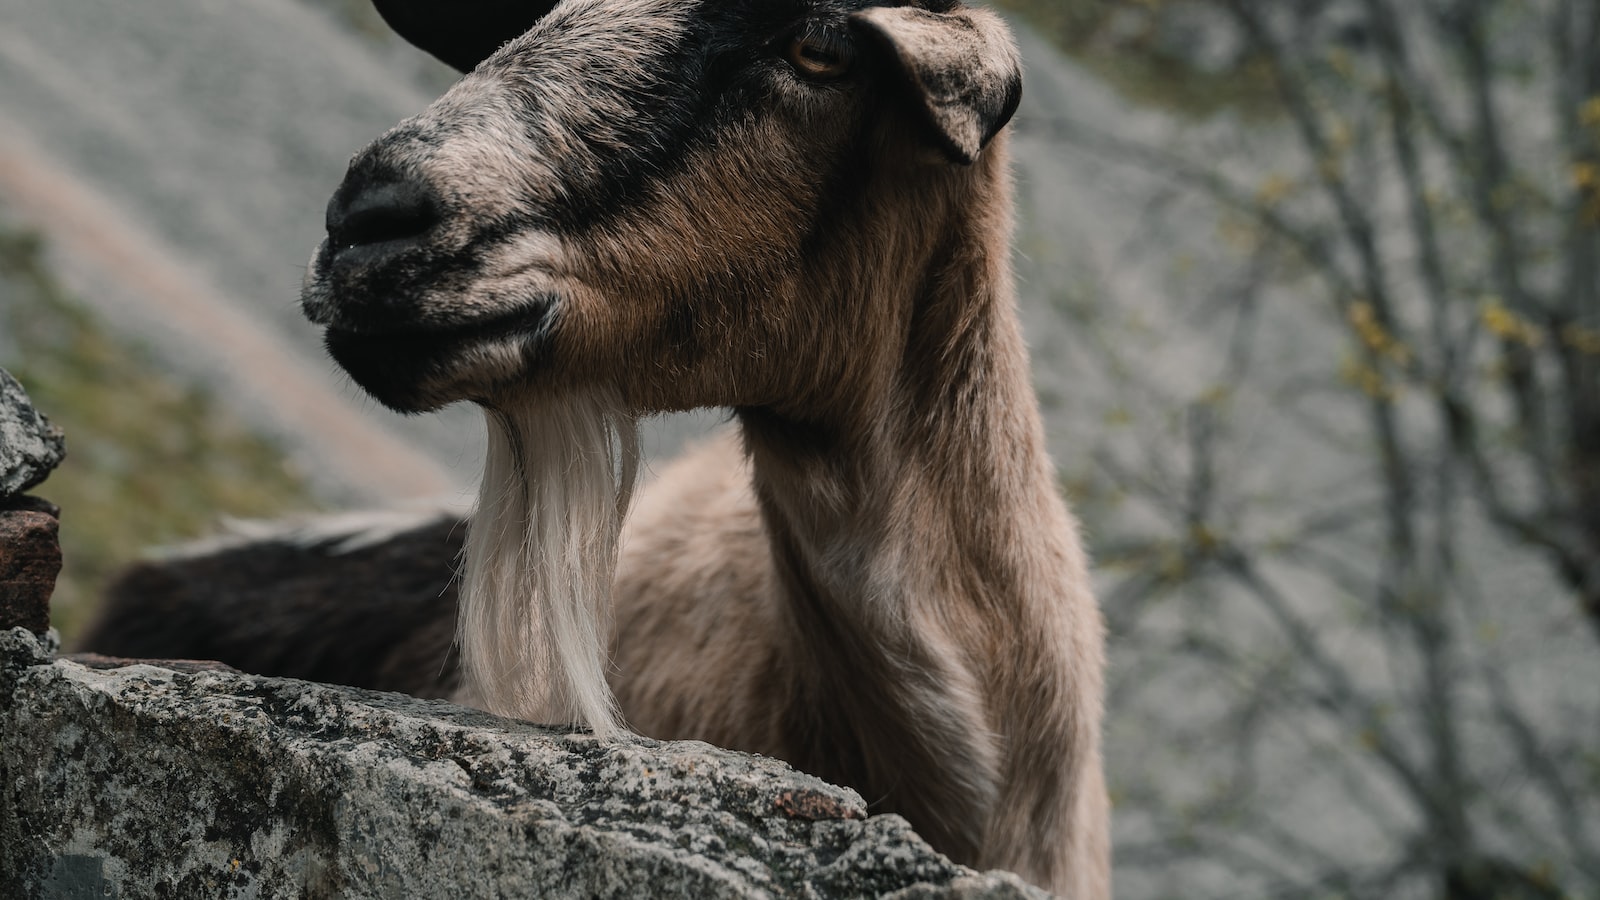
(655, 198)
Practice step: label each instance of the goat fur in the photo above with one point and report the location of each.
(875, 576)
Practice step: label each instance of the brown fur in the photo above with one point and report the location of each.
(890, 594)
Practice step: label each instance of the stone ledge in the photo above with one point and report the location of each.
(143, 781)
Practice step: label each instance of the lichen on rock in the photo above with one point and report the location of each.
(145, 781)
(30, 447)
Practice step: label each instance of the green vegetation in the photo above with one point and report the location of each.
(151, 460)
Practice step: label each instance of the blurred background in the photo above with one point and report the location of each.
(1313, 292)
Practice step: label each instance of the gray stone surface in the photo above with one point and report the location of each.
(144, 781)
(30, 447)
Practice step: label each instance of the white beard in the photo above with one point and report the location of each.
(541, 554)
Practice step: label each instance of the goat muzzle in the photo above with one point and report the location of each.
(369, 222)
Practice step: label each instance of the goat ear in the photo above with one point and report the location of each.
(462, 33)
(962, 67)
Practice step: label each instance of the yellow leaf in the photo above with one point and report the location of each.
(1274, 189)
(1582, 339)
(1589, 112)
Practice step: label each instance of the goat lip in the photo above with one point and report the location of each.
(349, 260)
(410, 367)
(524, 319)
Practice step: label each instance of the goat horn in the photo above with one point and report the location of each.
(462, 34)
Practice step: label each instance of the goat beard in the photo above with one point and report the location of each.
(534, 624)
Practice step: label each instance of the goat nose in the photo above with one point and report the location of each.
(376, 213)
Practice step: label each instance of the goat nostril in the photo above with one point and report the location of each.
(375, 214)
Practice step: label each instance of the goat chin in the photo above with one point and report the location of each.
(540, 557)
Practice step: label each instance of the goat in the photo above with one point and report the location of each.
(796, 210)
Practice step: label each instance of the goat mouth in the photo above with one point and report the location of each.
(414, 368)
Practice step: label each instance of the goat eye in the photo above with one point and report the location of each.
(819, 54)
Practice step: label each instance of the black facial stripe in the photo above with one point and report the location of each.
(847, 181)
(617, 167)
(681, 328)
(715, 75)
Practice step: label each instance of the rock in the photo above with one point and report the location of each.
(30, 560)
(189, 666)
(30, 447)
(30, 547)
(143, 781)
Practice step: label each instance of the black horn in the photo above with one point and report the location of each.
(462, 34)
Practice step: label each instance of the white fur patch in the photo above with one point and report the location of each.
(337, 533)
(535, 616)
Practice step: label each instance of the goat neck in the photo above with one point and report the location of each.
(935, 587)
